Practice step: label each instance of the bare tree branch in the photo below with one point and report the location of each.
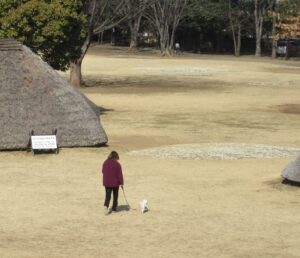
(165, 16)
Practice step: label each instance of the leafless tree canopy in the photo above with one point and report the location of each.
(165, 16)
(109, 14)
(135, 10)
(260, 11)
(238, 14)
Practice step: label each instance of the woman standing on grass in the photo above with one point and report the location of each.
(112, 179)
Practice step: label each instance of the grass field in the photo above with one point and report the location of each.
(52, 205)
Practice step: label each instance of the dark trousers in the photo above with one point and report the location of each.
(108, 191)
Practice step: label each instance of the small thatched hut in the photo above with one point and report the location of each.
(33, 96)
(292, 171)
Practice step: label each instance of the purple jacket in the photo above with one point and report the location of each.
(112, 173)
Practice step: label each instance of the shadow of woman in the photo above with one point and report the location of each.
(122, 208)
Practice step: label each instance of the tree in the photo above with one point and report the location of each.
(206, 18)
(273, 4)
(54, 29)
(285, 20)
(261, 8)
(101, 15)
(288, 25)
(165, 16)
(135, 10)
(238, 12)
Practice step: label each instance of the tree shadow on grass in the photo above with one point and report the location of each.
(103, 110)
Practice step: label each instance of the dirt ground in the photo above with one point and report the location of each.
(52, 205)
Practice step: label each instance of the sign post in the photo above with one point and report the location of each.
(44, 143)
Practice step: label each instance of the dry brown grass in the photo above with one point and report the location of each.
(51, 205)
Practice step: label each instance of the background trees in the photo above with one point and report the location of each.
(165, 16)
(135, 10)
(206, 22)
(239, 14)
(288, 19)
(261, 8)
(62, 31)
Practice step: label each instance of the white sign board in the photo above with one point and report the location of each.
(43, 142)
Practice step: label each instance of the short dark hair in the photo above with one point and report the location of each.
(113, 155)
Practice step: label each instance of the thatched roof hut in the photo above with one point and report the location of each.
(33, 96)
(292, 171)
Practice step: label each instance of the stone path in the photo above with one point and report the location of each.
(217, 151)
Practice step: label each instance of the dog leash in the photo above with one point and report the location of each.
(125, 197)
(126, 200)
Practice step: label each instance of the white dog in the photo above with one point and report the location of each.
(144, 206)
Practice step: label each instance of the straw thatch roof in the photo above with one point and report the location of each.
(35, 97)
(292, 171)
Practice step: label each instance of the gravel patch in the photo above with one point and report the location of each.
(294, 82)
(217, 151)
(260, 83)
(181, 70)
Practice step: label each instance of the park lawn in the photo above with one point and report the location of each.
(51, 205)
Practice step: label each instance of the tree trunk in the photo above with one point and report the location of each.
(236, 32)
(100, 38)
(259, 18)
(164, 41)
(75, 74)
(239, 41)
(171, 44)
(112, 36)
(258, 47)
(163, 47)
(274, 44)
(134, 26)
(233, 36)
(133, 40)
(75, 67)
(258, 29)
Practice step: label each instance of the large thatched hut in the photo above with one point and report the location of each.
(35, 97)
